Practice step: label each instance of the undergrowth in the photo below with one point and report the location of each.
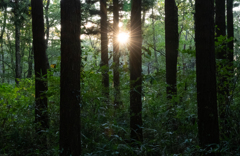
(169, 127)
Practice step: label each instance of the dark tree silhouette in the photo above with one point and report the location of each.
(104, 48)
(230, 45)
(70, 136)
(17, 42)
(41, 116)
(47, 29)
(171, 42)
(135, 72)
(228, 77)
(154, 40)
(220, 23)
(30, 62)
(208, 130)
(230, 32)
(116, 53)
(221, 55)
(1, 39)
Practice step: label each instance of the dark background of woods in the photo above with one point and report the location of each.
(172, 88)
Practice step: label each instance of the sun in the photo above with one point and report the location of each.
(123, 37)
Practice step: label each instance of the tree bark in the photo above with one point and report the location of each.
(230, 32)
(70, 126)
(172, 42)
(116, 79)
(41, 106)
(22, 49)
(47, 31)
(17, 45)
(230, 45)
(136, 72)
(11, 52)
(144, 16)
(154, 40)
(208, 130)
(1, 38)
(104, 49)
(3, 66)
(30, 62)
(221, 55)
(221, 26)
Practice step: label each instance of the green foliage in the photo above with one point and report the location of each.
(190, 52)
(127, 5)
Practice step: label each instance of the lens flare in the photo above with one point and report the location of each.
(123, 37)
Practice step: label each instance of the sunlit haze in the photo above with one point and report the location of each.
(123, 37)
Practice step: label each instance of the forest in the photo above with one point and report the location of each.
(119, 77)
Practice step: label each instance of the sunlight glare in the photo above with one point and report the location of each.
(88, 25)
(120, 24)
(123, 37)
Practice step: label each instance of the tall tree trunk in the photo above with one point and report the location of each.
(230, 32)
(3, 66)
(116, 53)
(183, 69)
(144, 16)
(172, 42)
(47, 22)
(11, 53)
(230, 45)
(8, 80)
(208, 130)
(70, 136)
(136, 72)
(104, 49)
(154, 40)
(47, 30)
(22, 49)
(41, 107)
(221, 55)
(1, 39)
(30, 62)
(17, 45)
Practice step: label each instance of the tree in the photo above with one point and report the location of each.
(20, 10)
(230, 33)
(41, 116)
(136, 72)
(70, 136)
(208, 130)
(30, 62)
(17, 42)
(230, 45)
(146, 6)
(226, 55)
(116, 53)
(47, 28)
(221, 55)
(104, 48)
(171, 43)
(154, 39)
(1, 39)
(220, 24)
